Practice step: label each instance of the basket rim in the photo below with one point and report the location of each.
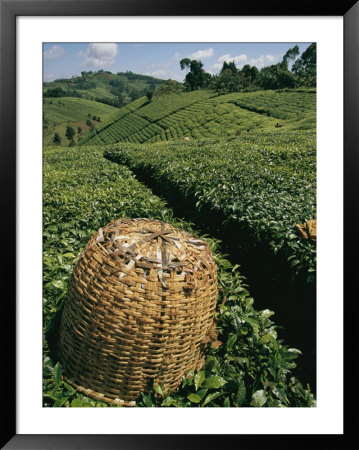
(97, 395)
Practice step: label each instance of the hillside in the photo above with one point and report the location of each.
(207, 114)
(76, 112)
(91, 96)
(103, 86)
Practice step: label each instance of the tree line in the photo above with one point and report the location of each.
(248, 78)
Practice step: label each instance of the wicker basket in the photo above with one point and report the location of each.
(139, 310)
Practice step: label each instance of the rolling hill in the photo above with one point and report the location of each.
(90, 96)
(104, 85)
(60, 112)
(207, 114)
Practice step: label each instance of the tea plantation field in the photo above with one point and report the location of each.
(83, 191)
(261, 185)
(207, 114)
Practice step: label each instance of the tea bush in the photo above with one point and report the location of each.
(263, 184)
(249, 365)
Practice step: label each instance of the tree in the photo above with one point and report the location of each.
(185, 62)
(169, 87)
(55, 92)
(70, 133)
(196, 77)
(305, 67)
(229, 66)
(79, 130)
(291, 54)
(249, 74)
(227, 81)
(134, 95)
(309, 57)
(149, 94)
(57, 139)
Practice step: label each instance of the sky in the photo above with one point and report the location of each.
(160, 60)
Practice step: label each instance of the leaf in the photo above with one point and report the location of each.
(76, 403)
(254, 324)
(57, 374)
(231, 342)
(266, 313)
(147, 399)
(259, 398)
(211, 397)
(214, 382)
(211, 363)
(226, 403)
(59, 284)
(60, 402)
(198, 379)
(68, 255)
(240, 396)
(69, 387)
(202, 393)
(194, 398)
(280, 393)
(159, 388)
(168, 401)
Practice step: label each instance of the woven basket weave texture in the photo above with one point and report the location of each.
(139, 310)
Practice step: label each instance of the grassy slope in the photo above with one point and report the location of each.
(61, 111)
(103, 87)
(204, 114)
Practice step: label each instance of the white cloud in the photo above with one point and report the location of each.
(223, 58)
(100, 55)
(164, 74)
(166, 70)
(56, 51)
(265, 60)
(202, 54)
(239, 60)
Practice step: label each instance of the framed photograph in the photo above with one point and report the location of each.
(292, 72)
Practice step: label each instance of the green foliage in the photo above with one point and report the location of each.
(74, 112)
(104, 86)
(169, 87)
(57, 139)
(276, 76)
(196, 78)
(82, 191)
(149, 94)
(205, 114)
(305, 68)
(55, 92)
(70, 133)
(264, 184)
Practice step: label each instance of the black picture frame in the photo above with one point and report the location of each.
(9, 10)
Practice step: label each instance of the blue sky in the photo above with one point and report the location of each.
(161, 60)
